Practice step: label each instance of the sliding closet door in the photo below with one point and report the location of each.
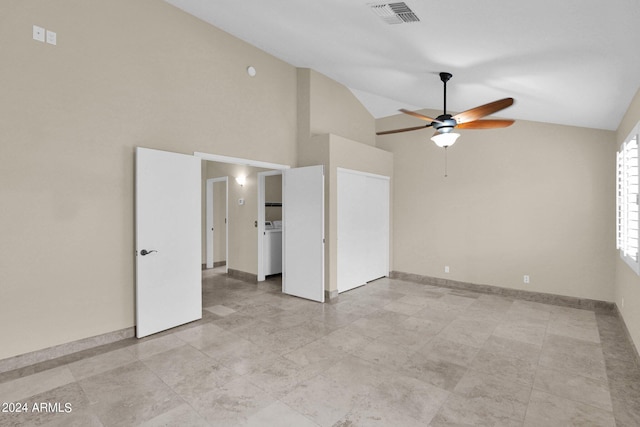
(377, 223)
(363, 228)
(352, 236)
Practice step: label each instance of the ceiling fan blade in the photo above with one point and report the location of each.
(420, 116)
(483, 110)
(387, 132)
(485, 124)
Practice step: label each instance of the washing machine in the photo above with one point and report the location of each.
(272, 247)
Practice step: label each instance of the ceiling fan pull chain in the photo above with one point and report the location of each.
(445, 162)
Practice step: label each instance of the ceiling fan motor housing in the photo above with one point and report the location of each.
(445, 123)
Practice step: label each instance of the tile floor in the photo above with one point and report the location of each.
(391, 353)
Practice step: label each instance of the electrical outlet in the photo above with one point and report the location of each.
(526, 278)
(38, 33)
(446, 268)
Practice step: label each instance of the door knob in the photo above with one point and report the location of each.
(146, 252)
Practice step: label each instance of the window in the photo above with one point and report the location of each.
(627, 220)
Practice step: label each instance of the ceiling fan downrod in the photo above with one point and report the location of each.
(445, 78)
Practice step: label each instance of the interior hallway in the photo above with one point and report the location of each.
(389, 353)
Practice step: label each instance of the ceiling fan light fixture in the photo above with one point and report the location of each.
(469, 119)
(445, 140)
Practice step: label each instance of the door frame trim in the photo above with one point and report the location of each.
(261, 219)
(239, 161)
(254, 163)
(209, 219)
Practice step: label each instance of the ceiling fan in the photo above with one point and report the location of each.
(470, 119)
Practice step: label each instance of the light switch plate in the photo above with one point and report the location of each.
(52, 38)
(38, 33)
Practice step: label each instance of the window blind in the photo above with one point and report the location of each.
(627, 200)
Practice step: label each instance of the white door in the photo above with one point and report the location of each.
(377, 223)
(352, 241)
(363, 228)
(168, 240)
(303, 232)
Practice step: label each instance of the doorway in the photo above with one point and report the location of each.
(217, 230)
(269, 210)
(244, 214)
(303, 231)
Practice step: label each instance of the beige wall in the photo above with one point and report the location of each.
(124, 74)
(334, 109)
(533, 199)
(335, 152)
(335, 130)
(627, 282)
(325, 106)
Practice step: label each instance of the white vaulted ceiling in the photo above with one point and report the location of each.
(573, 62)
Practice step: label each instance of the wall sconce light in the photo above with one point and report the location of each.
(241, 180)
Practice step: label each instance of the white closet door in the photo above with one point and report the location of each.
(352, 250)
(377, 259)
(363, 228)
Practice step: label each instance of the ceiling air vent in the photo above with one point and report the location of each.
(394, 13)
